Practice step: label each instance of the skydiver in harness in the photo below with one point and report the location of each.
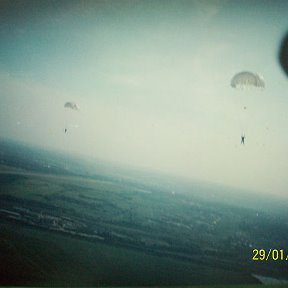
(243, 139)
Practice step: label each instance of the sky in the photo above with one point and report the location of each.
(152, 80)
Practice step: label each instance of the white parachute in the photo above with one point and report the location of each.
(247, 79)
(249, 83)
(71, 105)
(70, 116)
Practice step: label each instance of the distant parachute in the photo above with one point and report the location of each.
(70, 115)
(247, 79)
(71, 105)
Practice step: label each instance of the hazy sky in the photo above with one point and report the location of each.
(152, 80)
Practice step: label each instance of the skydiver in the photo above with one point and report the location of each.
(243, 139)
(65, 130)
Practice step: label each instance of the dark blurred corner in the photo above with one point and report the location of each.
(283, 54)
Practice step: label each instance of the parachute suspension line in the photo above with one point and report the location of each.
(239, 113)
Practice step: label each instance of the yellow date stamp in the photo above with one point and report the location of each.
(269, 254)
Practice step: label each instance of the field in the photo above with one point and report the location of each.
(70, 227)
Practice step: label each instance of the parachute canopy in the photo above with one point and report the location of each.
(247, 79)
(71, 105)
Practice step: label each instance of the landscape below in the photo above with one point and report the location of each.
(67, 221)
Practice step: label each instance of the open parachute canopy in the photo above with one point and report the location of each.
(71, 105)
(247, 79)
